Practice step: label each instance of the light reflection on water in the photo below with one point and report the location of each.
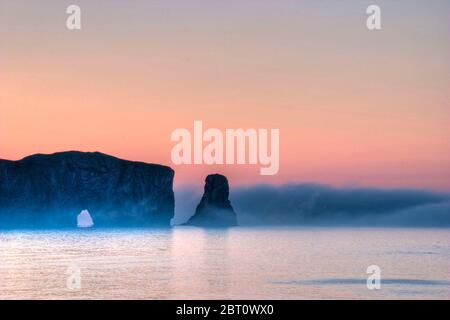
(239, 263)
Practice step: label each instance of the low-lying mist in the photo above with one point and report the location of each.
(310, 204)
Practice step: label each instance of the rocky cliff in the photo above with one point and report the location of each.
(51, 190)
(214, 209)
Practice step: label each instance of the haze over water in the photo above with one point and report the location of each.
(239, 263)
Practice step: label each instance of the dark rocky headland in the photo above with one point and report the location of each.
(50, 190)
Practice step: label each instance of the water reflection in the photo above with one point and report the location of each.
(215, 248)
(200, 261)
(238, 263)
(337, 281)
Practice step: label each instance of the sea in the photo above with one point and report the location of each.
(235, 263)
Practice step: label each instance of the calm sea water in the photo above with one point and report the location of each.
(240, 263)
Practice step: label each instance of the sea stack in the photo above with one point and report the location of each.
(214, 209)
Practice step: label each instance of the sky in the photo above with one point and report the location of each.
(354, 107)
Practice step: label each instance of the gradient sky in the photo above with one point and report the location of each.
(354, 107)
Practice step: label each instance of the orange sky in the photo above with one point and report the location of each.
(353, 107)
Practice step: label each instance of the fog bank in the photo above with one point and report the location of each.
(310, 204)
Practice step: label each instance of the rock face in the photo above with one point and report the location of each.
(214, 209)
(51, 190)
